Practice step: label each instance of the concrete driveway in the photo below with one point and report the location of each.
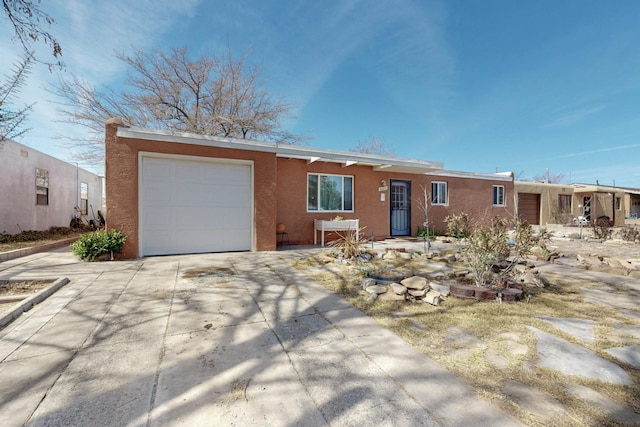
(213, 340)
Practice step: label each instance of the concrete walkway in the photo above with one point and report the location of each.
(215, 339)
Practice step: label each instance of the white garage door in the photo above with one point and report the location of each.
(194, 206)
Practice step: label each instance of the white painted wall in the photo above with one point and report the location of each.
(18, 209)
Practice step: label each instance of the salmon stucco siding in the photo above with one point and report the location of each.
(472, 194)
(289, 185)
(121, 166)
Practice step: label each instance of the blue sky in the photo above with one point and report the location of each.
(479, 85)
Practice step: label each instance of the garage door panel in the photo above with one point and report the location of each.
(225, 173)
(159, 218)
(529, 207)
(191, 206)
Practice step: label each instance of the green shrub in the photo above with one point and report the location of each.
(91, 245)
(458, 225)
(426, 233)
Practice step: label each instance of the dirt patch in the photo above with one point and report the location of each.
(22, 287)
(16, 288)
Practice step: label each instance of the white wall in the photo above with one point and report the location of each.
(18, 209)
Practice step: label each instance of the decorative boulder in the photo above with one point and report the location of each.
(432, 297)
(418, 293)
(442, 288)
(398, 289)
(367, 282)
(376, 289)
(390, 255)
(415, 282)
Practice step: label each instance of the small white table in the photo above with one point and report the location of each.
(323, 225)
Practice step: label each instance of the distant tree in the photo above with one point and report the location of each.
(550, 179)
(219, 96)
(29, 23)
(11, 119)
(375, 145)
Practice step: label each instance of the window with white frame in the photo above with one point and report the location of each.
(332, 193)
(438, 193)
(42, 186)
(498, 195)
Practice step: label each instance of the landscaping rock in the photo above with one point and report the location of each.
(613, 409)
(572, 359)
(460, 273)
(415, 282)
(418, 293)
(376, 289)
(569, 262)
(442, 288)
(543, 406)
(391, 296)
(368, 282)
(432, 297)
(613, 262)
(495, 358)
(635, 274)
(366, 257)
(325, 259)
(398, 289)
(432, 275)
(579, 328)
(629, 355)
(390, 255)
(457, 338)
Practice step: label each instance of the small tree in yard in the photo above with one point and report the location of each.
(458, 225)
(490, 245)
(423, 205)
(485, 246)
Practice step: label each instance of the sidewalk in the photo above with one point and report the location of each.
(214, 339)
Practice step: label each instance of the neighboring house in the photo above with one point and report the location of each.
(632, 203)
(595, 201)
(182, 193)
(38, 191)
(541, 203)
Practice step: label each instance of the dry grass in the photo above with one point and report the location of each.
(467, 337)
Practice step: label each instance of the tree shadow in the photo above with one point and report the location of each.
(177, 350)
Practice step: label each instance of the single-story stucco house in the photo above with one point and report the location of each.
(175, 193)
(542, 203)
(38, 191)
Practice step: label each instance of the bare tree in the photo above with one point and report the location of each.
(375, 145)
(219, 96)
(423, 205)
(28, 22)
(11, 119)
(549, 178)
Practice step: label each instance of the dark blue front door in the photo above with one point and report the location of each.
(400, 208)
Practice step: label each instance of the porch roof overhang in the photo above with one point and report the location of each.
(290, 151)
(589, 188)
